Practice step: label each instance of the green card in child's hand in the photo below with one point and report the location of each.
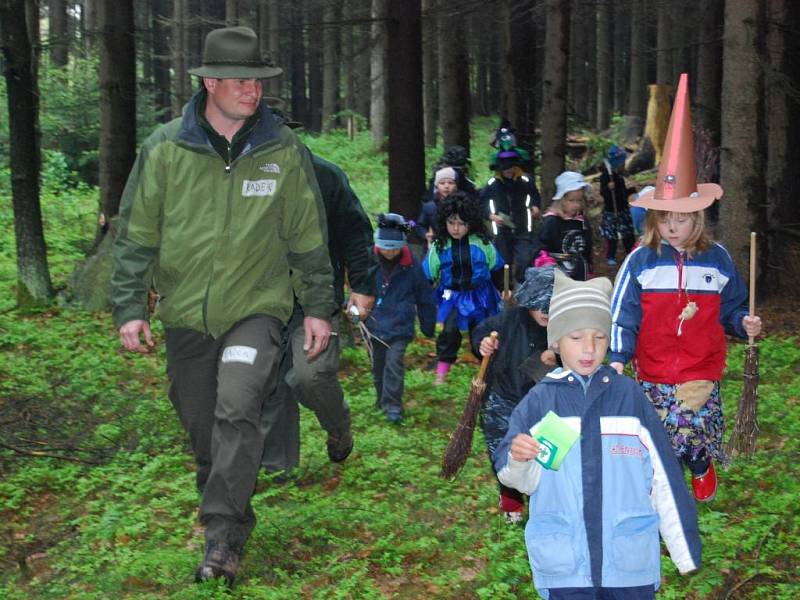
(555, 439)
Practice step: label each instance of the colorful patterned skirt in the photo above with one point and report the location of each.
(694, 431)
(616, 224)
(471, 306)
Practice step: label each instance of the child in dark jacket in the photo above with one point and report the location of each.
(617, 223)
(565, 237)
(521, 358)
(594, 521)
(401, 291)
(445, 182)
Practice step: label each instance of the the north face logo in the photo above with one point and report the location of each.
(270, 168)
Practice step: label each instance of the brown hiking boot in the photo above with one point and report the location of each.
(340, 446)
(221, 561)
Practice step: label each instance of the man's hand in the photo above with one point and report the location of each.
(318, 332)
(548, 357)
(362, 302)
(488, 345)
(617, 366)
(129, 335)
(524, 447)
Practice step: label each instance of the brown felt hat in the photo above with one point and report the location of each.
(233, 53)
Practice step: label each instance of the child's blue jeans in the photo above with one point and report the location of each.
(641, 592)
(388, 370)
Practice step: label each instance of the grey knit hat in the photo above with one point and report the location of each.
(578, 305)
(534, 293)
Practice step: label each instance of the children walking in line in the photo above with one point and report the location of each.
(462, 260)
(521, 358)
(565, 237)
(593, 525)
(675, 298)
(401, 292)
(617, 223)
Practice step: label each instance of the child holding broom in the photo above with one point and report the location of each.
(462, 260)
(676, 296)
(596, 508)
(401, 292)
(521, 358)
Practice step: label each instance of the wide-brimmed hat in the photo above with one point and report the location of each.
(677, 189)
(233, 53)
(569, 181)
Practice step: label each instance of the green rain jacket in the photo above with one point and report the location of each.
(221, 242)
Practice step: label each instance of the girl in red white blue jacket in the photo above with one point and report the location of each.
(675, 298)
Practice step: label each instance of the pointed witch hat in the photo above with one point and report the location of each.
(677, 189)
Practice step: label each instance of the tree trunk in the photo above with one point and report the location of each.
(231, 13)
(605, 82)
(429, 72)
(679, 39)
(742, 164)
(298, 61)
(347, 74)
(708, 82)
(783, 120)
(58, 33)
(637, 94)
(482, 58)
(453, 81)
(269, 30)
(161, 75)
(663, 42)
(34, 287)
(590, 39)
(117, 100)
(521, 69)
(404, 70)
(578, 89)
(90, 22)
(330, 66)
(180, 43)
(495, 73)
(621, 42)
(378, 118)
(554, 93)
(362, 43)
(315, 59)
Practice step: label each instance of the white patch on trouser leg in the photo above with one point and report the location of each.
(239, 354)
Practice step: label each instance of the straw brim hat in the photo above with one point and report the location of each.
(677, 189)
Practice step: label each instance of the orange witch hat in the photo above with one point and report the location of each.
(677, 189)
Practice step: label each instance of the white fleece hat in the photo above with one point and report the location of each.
(578, 305)
(569, 181)
(444, 173)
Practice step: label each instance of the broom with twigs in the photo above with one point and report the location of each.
(743, 438)
(455, 455)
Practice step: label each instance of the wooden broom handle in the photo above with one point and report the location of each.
(485, 361)
(752, 308)
(505, 279)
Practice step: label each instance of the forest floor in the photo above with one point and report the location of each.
(97, 495)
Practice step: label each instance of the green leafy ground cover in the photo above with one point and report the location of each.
(118, 519)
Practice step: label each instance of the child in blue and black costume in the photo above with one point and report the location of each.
(401, 291)
(462, 260)
(521, 358)
(593, 525)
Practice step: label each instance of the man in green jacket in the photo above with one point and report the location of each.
(223, 216)
(315, 383)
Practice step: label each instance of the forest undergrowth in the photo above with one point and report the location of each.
(97, 496)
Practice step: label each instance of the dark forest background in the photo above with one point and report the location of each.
(90, 79)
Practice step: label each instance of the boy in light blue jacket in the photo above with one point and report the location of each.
(593, 526)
